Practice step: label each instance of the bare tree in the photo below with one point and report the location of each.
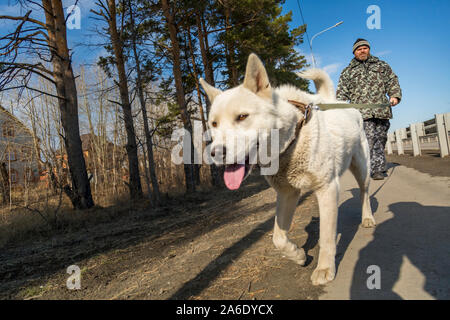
(47, 43)
(140, 89)
(109, 13)
(169, 14)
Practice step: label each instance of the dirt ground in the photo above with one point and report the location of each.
(430, 162)
(212, 245)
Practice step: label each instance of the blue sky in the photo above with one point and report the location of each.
(78, 39)
(413, 39)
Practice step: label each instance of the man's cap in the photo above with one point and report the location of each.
(360, 42)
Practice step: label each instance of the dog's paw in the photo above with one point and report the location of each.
(368, 222)
(323, 276)
(298, 256)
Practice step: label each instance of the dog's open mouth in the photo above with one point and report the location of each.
(236, 173)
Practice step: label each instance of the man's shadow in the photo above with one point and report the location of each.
(420, 233)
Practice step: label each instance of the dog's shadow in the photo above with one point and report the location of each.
(312, 230)
(349, 220)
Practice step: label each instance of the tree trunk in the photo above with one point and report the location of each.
(209, 77)
(197, 86)
(80, 191)
(148, 136)
(131, 147)
(204, 49)
(4, 185)
(229, 48)
(188, 168)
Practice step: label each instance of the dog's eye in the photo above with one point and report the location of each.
(242, 117)
(214, 124)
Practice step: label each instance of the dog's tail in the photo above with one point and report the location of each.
(322, 81)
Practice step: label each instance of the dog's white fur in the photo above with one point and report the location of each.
(328, 144)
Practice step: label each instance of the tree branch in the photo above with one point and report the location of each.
(37, 66)
(34, 89)
(24, 19)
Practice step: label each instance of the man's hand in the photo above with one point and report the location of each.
(393, 101)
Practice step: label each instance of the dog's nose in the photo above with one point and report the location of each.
(221, 149)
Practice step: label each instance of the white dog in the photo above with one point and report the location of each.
(313, 151)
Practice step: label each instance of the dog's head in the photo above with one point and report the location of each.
(238, 119)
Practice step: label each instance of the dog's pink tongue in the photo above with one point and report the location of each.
(233, 176)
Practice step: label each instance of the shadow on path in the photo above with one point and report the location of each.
(349, 221)
(203, 279)
(421, 234)
(350, 212)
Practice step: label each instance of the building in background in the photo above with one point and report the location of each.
(17, 151)
(103, 160)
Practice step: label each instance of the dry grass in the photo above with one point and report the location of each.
(171, 176)
(35, 213)
(44, 218)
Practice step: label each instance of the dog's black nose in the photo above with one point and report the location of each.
(220, 149)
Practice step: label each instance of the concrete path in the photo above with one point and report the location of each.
(407, 255)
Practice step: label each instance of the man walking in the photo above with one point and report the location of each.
(367, 80)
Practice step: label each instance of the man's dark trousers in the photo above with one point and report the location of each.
(376, 133)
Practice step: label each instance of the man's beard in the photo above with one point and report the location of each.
(362, 60)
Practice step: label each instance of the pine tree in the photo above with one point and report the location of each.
(257, 26)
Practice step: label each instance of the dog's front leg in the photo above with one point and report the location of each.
(328, 207)
(286, 204)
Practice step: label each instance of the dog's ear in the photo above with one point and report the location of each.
(256, 79)
(211, 92)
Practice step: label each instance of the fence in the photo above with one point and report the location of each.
(433, 134)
